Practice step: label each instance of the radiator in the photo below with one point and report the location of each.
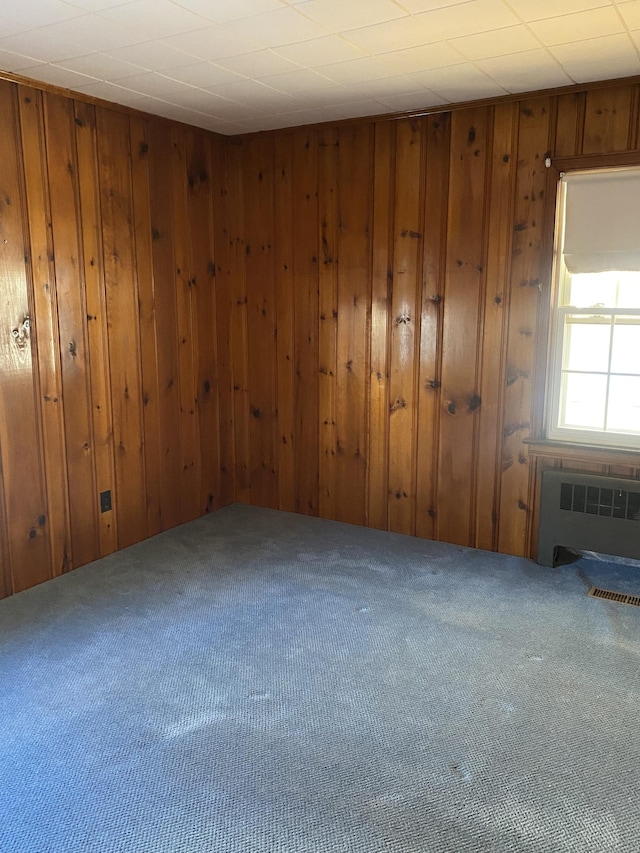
(588, 512)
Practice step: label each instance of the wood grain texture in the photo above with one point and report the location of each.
(46, 310)
(346, 321)
(72, 324)
(21, 463)
(464, 294)
(108, 315)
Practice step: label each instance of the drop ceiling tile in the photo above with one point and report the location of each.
(248, 92)
(97, 34)
(299, 82)
(358, 109)
(224, 11)
(64, 77)
(617, 66)
(459, 83)
(496, 43)
(415, 59)
(536, 10)
(9, 28)
(155, 18)
(101, 66)
(213, 43)
(400, 85)
(393, 35)
(153, 55)
(279, 27)
(417, 6)
(117, 95)
(152, 83)
(322, 51)
(226, 128)
(39, 13)
(578, 26)
(260, 63)
(476, 16)
(198, 100)
(355, 71)
(423, 100)
(631, 13)
(332, 97)
(525, 72)
(230, 111)
(39, 45)
(177, 113)
(202, 74)
(96, 5)
(604, 49)
(339, 15)
(13, 62)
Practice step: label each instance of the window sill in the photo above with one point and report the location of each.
(567, 450)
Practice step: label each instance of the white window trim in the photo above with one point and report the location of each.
(554, 431)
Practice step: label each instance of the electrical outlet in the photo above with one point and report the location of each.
(105, 501)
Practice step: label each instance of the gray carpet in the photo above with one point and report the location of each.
(258, 681)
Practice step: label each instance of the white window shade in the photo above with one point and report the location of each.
(602, 220)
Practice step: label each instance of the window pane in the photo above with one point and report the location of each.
(583, 399)
(589, 289)
(629, 290)
(624, 404)
(587, 343)
(625, 354)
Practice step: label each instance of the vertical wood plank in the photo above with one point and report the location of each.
(21, 463)
(607, 120)
(381, 295)
(259, 218)
(569, 131)
(149, 344)
(114, 157)
(97, 343)
(437, 130)
(328, 200)
(500, 190)
(355, 164)
(72, 323)
(166, 370)
(224, 282)
(184, 283)
(285, 343)
(45, 304)
(404, 320)
(525, 286)
(203, 270)
(462, 326)
(305, 266)
(239, 321)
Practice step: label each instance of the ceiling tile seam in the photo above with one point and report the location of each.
(635, 46)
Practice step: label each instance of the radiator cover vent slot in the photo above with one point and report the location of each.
(594, 500)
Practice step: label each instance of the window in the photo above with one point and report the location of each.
(594, 393)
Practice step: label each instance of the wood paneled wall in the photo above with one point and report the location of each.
(344, 321)
(109, 370)
(392, 284)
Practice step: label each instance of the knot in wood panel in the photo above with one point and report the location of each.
(398, 405)
(474, 402)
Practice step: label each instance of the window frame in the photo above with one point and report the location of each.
(558, 311)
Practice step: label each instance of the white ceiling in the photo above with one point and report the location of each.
(244, 65)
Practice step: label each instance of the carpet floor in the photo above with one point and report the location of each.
(263, 682)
